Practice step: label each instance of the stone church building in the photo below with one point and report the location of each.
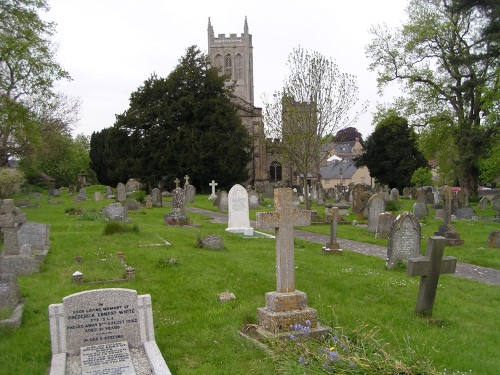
(234, 55)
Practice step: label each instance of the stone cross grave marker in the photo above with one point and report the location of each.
(283, 220)
(429, 267)
(333, 246)
(176, 182)
(95, 330)
(213, 184)
(186, 179)
(287, 306)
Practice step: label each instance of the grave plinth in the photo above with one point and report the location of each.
(285, 307)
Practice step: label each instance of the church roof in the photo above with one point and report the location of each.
(334, 169)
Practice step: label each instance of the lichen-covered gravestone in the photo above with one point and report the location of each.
(121, 193)
(286, 306)
(404, 239)
(177, 216)
(104, 331)
(376, 205)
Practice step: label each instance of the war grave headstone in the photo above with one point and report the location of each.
(177, 216)
(190, 193)
(483, 203)
(223, 201)
(376, 205)
(447, 230)
(385, 220)
(239, 221)
(429, 267)
(494, 239)
(253, 200)
(213, 184)
(121, 193)
(420, 210)
(115, 212)
(333, 246)
(404, 239)
(286, 306)
(104, 332)
(11, 304)
(156, 198)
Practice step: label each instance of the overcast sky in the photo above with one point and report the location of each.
(110, 47)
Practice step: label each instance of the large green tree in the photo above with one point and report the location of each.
(182, 124)
(446, 64)
(317, 100)
(390, 152)
(28, 70)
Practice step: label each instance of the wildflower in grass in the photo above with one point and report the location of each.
(335, 338)
(302, 360)
(292, 337)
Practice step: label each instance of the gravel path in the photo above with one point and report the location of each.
(468, 271)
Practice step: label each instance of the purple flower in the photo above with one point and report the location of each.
(302, 360)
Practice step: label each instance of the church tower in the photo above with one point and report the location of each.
(234, 54)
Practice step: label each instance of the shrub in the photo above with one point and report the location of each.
(392, 206)
(10, 182)
(140, 195)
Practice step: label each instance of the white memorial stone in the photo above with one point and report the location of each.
(239, 221)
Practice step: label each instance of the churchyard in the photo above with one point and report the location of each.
(353, 294)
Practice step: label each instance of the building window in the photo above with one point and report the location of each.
(238, 67)
(275, 171)
(218, 61)
(228, 65)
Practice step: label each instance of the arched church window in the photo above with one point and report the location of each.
(228, 65)
(238, 67)
(275, 171)
(218, 61)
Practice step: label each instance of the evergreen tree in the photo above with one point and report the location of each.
(390, 152)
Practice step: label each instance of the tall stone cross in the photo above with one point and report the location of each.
(176, 182)
(429, 267)
(186, 178)
(282, 221)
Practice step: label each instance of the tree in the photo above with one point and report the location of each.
(349, 134)
(182, 124)
(422, 177)
(316, 100)
(445, 63)
(391, 153)
(27, 72)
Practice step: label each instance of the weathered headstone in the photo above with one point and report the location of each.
(447, 230)
(121, 193)
(483, 203)
(223, 201)
(406, 192)
(81, 196)
(102, 332)
(253, 200)
(494, 239)
(132, 205)
(333, 247)
(71, 189)
(268, 190)
(239, 221)
(465, 213)
(376, 205)
(132, 185)
(34, 235)
(394, 194)
(115, 212)
(404, 239)
(420, 210)
(385, 220)
(177, 215)
(149, 202)
(213, 184)
(109, 192)
(421, 196)
(97, 196)
(286, 306)
(156, 198)
(429, 267)
(10, 301)
(190, 193)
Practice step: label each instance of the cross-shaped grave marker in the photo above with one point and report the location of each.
(176, 182)
(283, 220)
(429, 267)
(213, 184)
(186, 178)
(287, 306)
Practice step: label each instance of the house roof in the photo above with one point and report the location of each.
(334, 169)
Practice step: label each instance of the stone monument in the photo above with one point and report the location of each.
(239, 221)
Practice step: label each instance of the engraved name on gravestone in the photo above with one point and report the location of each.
(107, 359)
(404, 239)
(101, 316)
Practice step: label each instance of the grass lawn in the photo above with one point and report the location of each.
(198, 335)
